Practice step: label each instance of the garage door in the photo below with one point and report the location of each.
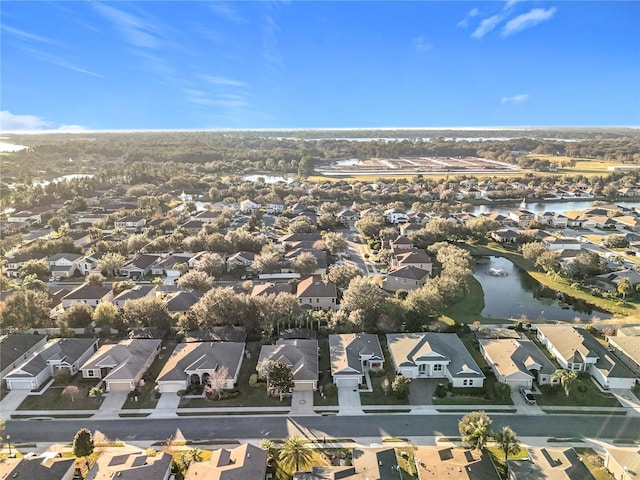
(303, 386)
(119, 386)
(20, 384)
(347, 382)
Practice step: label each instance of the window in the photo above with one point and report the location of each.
(90, 373)
(464, 382)
(438, 368)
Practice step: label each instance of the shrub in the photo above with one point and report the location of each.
(253, 380)
(441, 390)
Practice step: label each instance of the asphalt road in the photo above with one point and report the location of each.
(242, 427)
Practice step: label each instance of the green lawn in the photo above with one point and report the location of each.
(591, 397)
(52, 398)
(247, 396)
(468, 309)
(594, 463)
(378, 397)
(497, 456)
(146, 395)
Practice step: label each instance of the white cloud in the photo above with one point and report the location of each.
(136, 30)
(225, 10)
(11, 122)
(421, 44)
(510, 3)
(523, 97)
(464, 23)
(527, 20)
(218, 80)
(486, 26)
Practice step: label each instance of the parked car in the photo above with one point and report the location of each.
(528, 396)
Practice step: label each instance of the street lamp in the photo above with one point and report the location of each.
(9, 441)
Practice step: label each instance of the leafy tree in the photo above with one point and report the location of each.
(280, 378)
(268, 261)
(71, 392)
(480, 226)
(302, 224)
(32, 282)
(362, 294)
(335, 242)
(119, 287)
(305, 264)
(625, 287)
(400, 386)
(146, 312)
(295, 453)
(83, 444)
(106, 315)
(55, 223)
(531, 251)
(26, 309)
(96, 278)
(342, 275)
(77, 315)
(211, 263)
(196, 280)
(137, 242)
(370, 225)
(508, 442)
(111, 263)
(475, 429)
(568, 380)
(39, 268)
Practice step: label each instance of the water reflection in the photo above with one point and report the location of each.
(510, 292)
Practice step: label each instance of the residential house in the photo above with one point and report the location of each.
(81, 238)
(609, 281)
(517, 362)
(561, 243)
(320, 256)
(314, 294)
(88, 293)
(347, 216)
(206, 216)
(244, 462)
(395, 215)
(193, 227)
(56, 297)
(628, 222)
(627, 349)
(122, 366)
(294, 239)
(248, 206)
(559, 221)
(550, 463)
(240, 259)
(368, 463)
(25, 216)
(131, 466)
(135, 293)
(301, 355)
(601, 221)
(434, 355)
(401, 243)
(405, 278)
(408, 228)
(352, 356)
(413, 258)
(15, 349)
(577, 350)
(270, 289)
(505, 235)
(275, 207)
(131, 223)
(37, 467)
(179, 303)
(168, 266)
(89, 262)
(522, 218)
(193, 364)
(622, 463)
(16, 262)
(58, 354)
(63, 265)
(140, 266)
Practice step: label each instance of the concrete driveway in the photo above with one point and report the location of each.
(167, 406)
(302, 402)
(111, 404)
(422, 390)
(11, 402)
(349, 401)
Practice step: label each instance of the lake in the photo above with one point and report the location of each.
(267, 178)
(539, 207)
(509, 292)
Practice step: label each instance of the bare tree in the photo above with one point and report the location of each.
(216, 382)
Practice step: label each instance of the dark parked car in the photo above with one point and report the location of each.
(528, 396)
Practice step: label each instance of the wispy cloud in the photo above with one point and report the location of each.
(271, 51)
(11, 122)
(527, 20)
(45, 49)
(136, 30)
(218, 80)
(510, 3)
(226, 11)
(421, 45)
(522, 97)
(464, 23)
(486, 25)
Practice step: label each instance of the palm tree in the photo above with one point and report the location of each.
(474, 429)
(508, 442)
(567, 379)
(269, 446)
(295, 453)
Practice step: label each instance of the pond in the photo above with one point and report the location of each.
(267, 178)
(509, 292)
(539, 207)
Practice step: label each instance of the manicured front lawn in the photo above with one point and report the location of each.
(52, 398)
(247, 396)
(146, 393)
(591, 397)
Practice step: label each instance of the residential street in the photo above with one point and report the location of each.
(377, 426)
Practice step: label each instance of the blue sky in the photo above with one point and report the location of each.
(300, 64)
